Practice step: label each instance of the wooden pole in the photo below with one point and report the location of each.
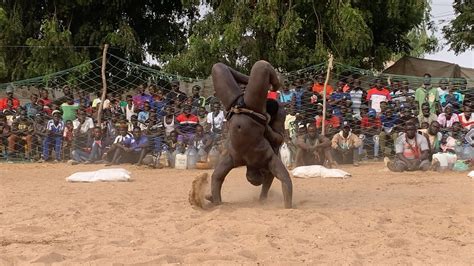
(104, 85)
(328, 73)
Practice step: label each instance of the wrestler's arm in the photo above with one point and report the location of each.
(275, 133)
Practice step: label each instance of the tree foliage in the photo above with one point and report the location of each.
(296, 33)
(132, 27)
(460, 31)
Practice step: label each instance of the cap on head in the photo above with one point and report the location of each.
(9, 89)
(372, 112)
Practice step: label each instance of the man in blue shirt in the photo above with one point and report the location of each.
(131, 150)
(388, 135)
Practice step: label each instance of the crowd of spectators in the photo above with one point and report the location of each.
(378, 119)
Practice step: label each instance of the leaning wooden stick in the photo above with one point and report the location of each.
(104, 84)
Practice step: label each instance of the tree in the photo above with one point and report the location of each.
(132, 27)
(460, 31)
(296, 33)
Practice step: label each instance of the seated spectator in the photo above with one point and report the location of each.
(453, 97)
(402, 95)
(447, 118)
(443, 88)
(466, 118)
(345, 146)
(172, 141)
(39, 133)
(216, 119)
(378, 94)
(175, 95)
(132, 150)
(427, 94)
(388, 134)
(312, 148)
(370, 127)
(32, 108)
(425, 115)
(169, 120)
(91, 153)
(22, 132)
(141, 97)
(145, 113)
(44, 97)
(129, 109)
(434, 136)
(9, 102)
(119, 139)
(202, 116)
(187, 124)
(412, 151)
(202, 140)
(54, 131)
(338, 98)
(159, 102)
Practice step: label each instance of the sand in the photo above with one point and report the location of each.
(375, 217)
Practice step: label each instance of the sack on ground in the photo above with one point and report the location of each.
(314, 171)
(103, 175)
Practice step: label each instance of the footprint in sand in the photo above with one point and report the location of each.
(50, 258)
(398, 243)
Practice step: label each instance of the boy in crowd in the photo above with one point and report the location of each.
(54, 131)
(131, 150)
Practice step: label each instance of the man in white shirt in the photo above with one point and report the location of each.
(216, 119)
(82, 129)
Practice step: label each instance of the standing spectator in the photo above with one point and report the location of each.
(425, 116)
(318, 86)
(69, 109)
(9, 102)
(159, 102)
(427, 94)
(82, 129)
(331, 124)
(202, 116)
(453, 97)
(198, 100)
(54, 130)
(412, 151)
(216, 119)
(357, 96)
(378, 94)
(299, 91)
(338, 98)
(273, 95)
(447, 118)
(345, 145)
(466, 118)
(44, 96)
(402, 95)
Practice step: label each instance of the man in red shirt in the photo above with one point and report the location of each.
(319, 86)
(378, 94)
(331, 123)
(9, 102)
(187, 125)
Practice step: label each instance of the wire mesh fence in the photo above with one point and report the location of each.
(152, 117)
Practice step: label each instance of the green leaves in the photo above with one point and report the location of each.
(460, 31)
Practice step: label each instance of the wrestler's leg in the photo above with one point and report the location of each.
(267, 183)
(262, 76)
(225, 81)
(220, 172)
(278, 170)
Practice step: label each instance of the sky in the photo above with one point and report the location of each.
(442, 12)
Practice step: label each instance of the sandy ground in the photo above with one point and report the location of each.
(376, 217)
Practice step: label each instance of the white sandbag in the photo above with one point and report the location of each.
(471, 174)
(314, 171)
(285, 155)
(104, 175)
